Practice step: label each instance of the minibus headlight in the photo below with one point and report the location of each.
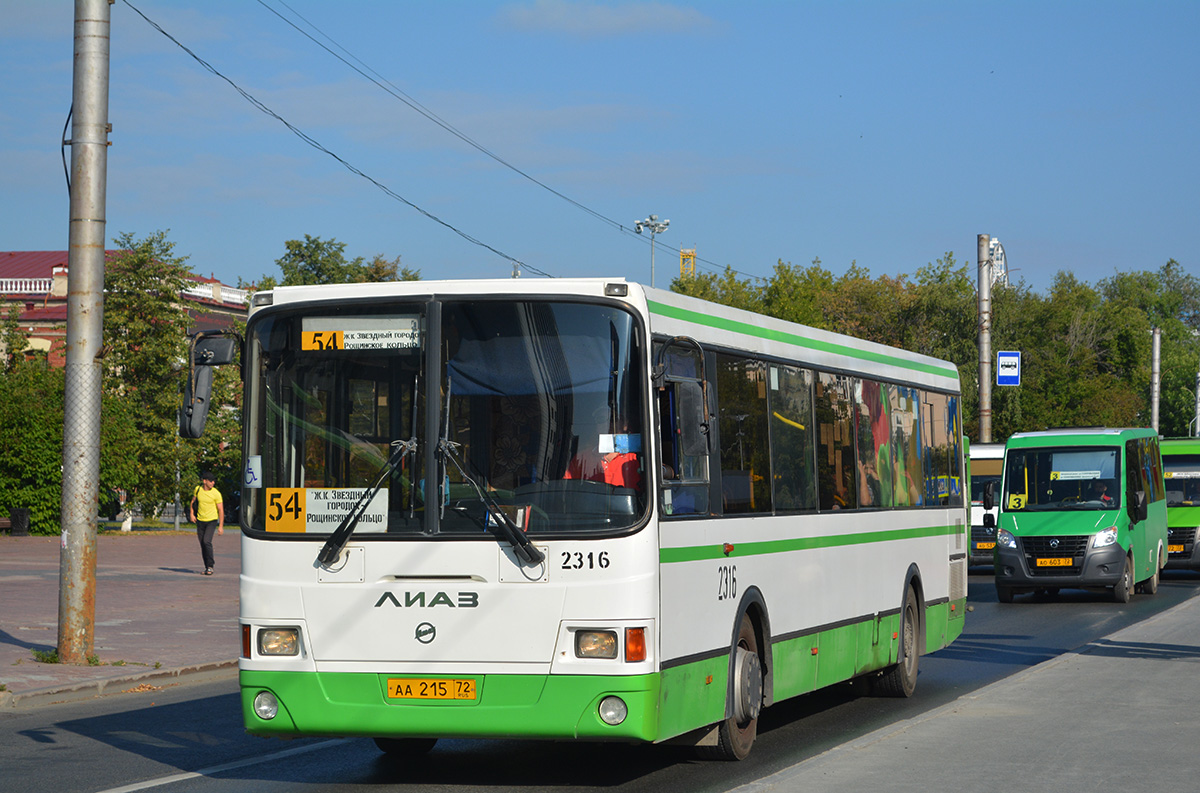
(279, 641)
(1105, 538)
(1005, 539)
(595, 644)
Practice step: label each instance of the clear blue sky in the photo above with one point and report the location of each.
(885, 133)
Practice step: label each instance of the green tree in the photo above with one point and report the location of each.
(31, 444)
(12, 338)
(145, 335)
(317, 261)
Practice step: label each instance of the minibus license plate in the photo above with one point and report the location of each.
(430, 688)
(1056, 562)
(984, 546)
(1174, 549)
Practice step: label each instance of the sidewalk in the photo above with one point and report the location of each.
(1118, 714)
(157, 617)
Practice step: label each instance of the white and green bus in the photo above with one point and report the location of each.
(582, 509)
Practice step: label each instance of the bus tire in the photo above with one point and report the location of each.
(901, 679)
(402, 748)
(1123, 587)
(1004, 594)
(736, 734)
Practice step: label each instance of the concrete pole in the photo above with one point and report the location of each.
(985, 339)
(85, 329)
(1155, 375)
(1196, 431)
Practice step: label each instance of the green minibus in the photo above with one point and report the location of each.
(1181, 469)
(1081, 509)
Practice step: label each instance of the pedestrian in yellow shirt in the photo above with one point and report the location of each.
(207, 511)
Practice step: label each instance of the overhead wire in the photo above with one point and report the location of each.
(319, 147)
(391, 89)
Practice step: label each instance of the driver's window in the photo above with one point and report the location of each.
(685, 484)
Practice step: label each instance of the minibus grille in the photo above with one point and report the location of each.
(1072, 548)
(1181, 536)
(980, 534)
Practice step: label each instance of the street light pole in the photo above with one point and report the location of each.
(655, 226)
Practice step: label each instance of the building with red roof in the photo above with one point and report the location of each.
(36, 283)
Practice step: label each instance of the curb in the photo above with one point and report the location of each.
(92, 689)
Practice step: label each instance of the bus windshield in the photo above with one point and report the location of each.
(1182, 473)
(526, 412)
(1039, 479)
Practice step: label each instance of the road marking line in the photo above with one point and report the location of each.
(217, 769)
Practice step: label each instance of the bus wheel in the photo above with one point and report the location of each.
(1004, 593)
(1123, 587)
(736, 734)
(901, 679)
(405, 747)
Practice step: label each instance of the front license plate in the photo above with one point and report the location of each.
(430, 688)
(1174, 549)
(1056, 562)
(984, 546)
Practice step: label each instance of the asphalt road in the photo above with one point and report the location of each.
(190, 738)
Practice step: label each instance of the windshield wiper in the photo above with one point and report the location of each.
(337, 541)
(495, 520)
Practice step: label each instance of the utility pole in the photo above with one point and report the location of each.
(985, 339)
(1155, 375)
(1196, 431)
(85, 333)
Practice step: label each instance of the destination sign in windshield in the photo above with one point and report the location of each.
(360, 333)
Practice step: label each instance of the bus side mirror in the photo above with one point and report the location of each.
(989, 496)
(205, 350)
(197, 391)
(1138, 511)
(989, 520)
(692, 423)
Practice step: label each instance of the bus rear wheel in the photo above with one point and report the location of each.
(901, 679)
(405, 747)
(736, 734)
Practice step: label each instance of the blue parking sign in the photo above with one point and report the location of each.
(1008, 368)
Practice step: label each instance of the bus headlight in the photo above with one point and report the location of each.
(1005, 539)
(279, 641)
(1105, 538)
(266, 706)
(595, 644)
(613, 710)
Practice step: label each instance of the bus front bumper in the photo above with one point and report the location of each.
(525, 706)
(1099, 567)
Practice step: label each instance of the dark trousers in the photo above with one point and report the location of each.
(205, 529)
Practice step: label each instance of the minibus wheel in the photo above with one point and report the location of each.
(1123, 587)
(1150, 585)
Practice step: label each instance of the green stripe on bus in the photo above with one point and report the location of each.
(746, 328)
(701, 552)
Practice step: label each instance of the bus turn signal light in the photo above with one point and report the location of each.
(635, 645)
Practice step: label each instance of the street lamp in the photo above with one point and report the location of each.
(654, 226)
